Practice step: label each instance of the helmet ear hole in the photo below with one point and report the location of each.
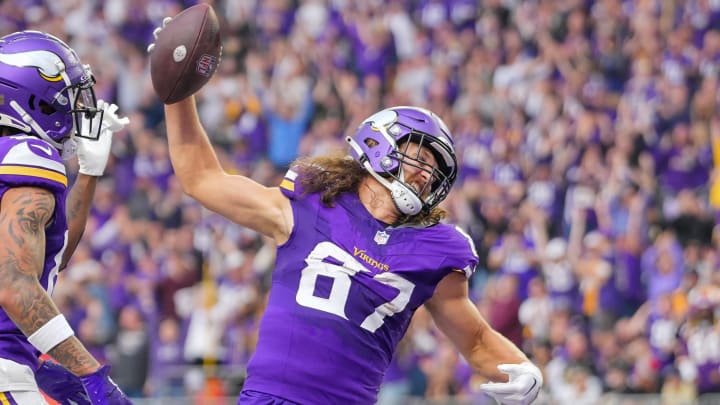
(46, 108)
(371, 142)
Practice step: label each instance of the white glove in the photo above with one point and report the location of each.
(93, 154)
(522, 388)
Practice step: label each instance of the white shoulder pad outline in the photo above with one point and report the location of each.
(33, 159)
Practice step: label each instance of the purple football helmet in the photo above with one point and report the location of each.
(380, 145)
(46, 91)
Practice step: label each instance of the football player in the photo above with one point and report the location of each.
(48, 111)
(360, 247)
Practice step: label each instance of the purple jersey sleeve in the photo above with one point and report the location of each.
(456, 245)
(27, 161)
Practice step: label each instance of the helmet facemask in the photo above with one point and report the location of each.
(87, 117)
(436, 188)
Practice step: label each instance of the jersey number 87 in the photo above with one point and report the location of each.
(342, 275)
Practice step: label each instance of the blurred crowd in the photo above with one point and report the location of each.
(588, 136)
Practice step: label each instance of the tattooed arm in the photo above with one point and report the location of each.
(24, 214)
(92, 159)
(78, 208)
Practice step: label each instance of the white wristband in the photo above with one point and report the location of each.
(54, 332)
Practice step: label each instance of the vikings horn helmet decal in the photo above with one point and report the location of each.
(48, 64)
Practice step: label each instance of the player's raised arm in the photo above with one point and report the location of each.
(92, 157)
(238, 198)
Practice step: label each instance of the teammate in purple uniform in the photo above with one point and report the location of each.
(48, 112)
(360, 247)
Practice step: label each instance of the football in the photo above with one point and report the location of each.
(186, 53)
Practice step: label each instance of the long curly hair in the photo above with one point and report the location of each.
(335, 174)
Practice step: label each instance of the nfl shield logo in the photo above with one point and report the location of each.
(206, 65)
(381, 237)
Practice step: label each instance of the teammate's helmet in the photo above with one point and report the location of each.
(380, 145)
(44, 89)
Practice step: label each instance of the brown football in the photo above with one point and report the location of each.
(186, 53)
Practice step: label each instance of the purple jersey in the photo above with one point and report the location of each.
(27, 161)
(344, 289)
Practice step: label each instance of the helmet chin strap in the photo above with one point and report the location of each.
(404, 197)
